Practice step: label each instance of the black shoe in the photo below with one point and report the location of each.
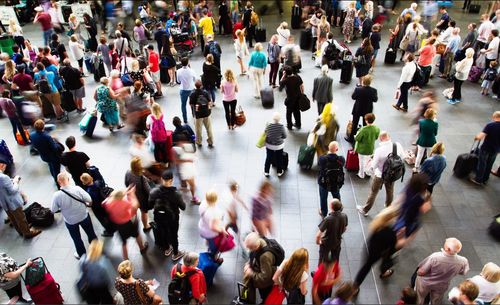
(349, 140)
(107, 234)
(289, 127)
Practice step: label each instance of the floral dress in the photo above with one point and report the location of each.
(139, 76)
(348, 28)
(129, 291)
(107, 106)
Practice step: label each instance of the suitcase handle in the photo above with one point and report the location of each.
(33, 260)
(472, 149)
(241, 286)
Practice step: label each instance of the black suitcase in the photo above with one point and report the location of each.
(267, 97)
(296, 17)
(305, 39)
(285, 160)
(346, 72)
(466, 163)
(67, 101)
(390, 56)
(99, 72)
(474, 8)
(260, 34)
(164, 77)
(91, 126)
(157, 233)
(494, 228)
(239, 299)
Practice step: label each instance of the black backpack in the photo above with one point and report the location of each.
(275, 248)
(39, 216)
(394, 167)
(331, 52)
(202, 107)
(333, 176)
(43, 84)
(179, 289)
(418, 77)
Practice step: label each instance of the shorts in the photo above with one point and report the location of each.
(486, 83)
(127, 230)
(78, 93)
(156, 76)
(375, 52)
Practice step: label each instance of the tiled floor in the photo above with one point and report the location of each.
(460, 209)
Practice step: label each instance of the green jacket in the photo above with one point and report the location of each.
(428, 130)
(365, 140)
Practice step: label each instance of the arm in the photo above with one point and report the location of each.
(425, 266)
(318, 237)
(480, 136)
(180, 202)
(85, 196)
(262, 278)
(303, 287)
(112, 94)
(16, 274)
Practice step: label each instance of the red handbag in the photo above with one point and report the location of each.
(276, 296)
(352, 162)
(224, 242)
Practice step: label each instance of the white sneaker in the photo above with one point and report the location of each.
(361, 210)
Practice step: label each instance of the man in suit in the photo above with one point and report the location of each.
(322, 89)
(47, 148)
(366, 26)
(363, 97)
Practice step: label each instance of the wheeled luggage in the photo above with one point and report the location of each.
(296, 17)
(240, 299)
(474, 8)
(306, 156)
(208, 266)
(67, 101)
(260, 33)
(285, 160)
(346, 72)
(467, 162)
(475, 74)
(390, 56)
(46, 291)
(87, 124)
(494, 228)
(267, 97)
(352, 162)
(305, 39)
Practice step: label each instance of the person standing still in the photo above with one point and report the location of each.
(330, 230)
(489, 150)
(294, 89)
(330, 168)
(322, 89)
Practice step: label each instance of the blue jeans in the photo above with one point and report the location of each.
(323, 199)
(184, 99)
(212, 93)
(74, 232)
(47, 36)
(55, 169)
(484, 165)
(17, 126)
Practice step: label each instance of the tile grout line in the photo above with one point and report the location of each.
(362, 230)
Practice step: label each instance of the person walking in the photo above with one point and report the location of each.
(274, 59)
(262, 209)
(405, 82)
(325, 277)
(462, 68)
(292, 276)
(330, 231)
(201, 105)
(73, 201)
(12, 202)
(213, 47)
(330, 176)
(428, 128)
(158, 134)
(211, 76)
(248, 24)
(77, 163)
(322, 92)
(365, 143)
(363, 97)
(9, 108)
(134, 177)
(45, 22)
(275, 142)
(363, 59)
(294, 87)
(229, 88)
(167, 203)
(380, 156)
(241, 49)
(49, 150)
(257, 66)
(107, 105)
(94, 189)
(434, 166)
(210, 224)
(186, 77)
(488, 150)
(437, 270)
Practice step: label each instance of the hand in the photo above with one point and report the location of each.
(29, 262)
(16, 179)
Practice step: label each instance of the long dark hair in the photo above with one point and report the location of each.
(366, 46)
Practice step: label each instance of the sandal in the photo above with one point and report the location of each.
(387, 274)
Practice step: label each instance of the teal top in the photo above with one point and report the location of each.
(428, 130)
(258, 60)
(365, 140)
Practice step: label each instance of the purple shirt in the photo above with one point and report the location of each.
(9, 107)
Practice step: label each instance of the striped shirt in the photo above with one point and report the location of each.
(275, 136)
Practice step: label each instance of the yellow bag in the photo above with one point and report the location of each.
(254, 18)
(261, 142)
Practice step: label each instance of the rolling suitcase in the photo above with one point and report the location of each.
(467, 162)
(267, 97)
(260, 33)
(208, 266)
(305, 39)
(46, 291)
(352, 162)
(474, 8)
(306, 156)
(296, 17)
(390, 56)
(240, 299)
(285, 161)
(475, 74)
(346, 72)
(67, 101)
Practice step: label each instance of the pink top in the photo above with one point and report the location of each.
(229, 91)
(116, 84)
(119, 211)
(426, 55)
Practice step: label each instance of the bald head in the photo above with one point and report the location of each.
(384, 136)
(63, 178)
(452, 246)
(333, 147)
(253, 241)
(496, 115)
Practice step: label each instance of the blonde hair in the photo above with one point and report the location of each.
(138, 22)
(323, 21)
(125, 269)
(72, 16)
(229, 75)
(95, 250)
(86, 179)
(491, 272)
(73, 38)
(156, 110)
(383, 219)
(258, 46)
(211, 197)
(135, 65)
(117, 195)
(437, 149)
(294, 268)
(430, 114)
(10, 69)
(241, 35)
(136, 166)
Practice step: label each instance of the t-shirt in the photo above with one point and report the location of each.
(375, 40)
(7, 105)
(45, 21)
(76, 50)
(292, 87)
(446, 18)
(154, 61)
(320, 276)
(72, 77)
(494, 43)
(229, 91)
(23, 81)
(207, 25)
(76, 162)
(333, 226)
(207, 214)
(7, 264)
(50, 78)
(119, 211)
(426, 55)
(487, 289)
(139, 33)
(491, 142)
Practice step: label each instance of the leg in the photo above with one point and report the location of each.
(420, 155)
(323, 253)
(421, 290)
(289, 118)
(55, 169)
(207, 122)
(323, 200)
(278, 155)
(296, 116)
(430, 188)
(145, 220)
(260, 74)
(389, 193)
(233, 112)
(376, 184)
(197, 130)
(403, 97)
(184, 97)
(365, 269)
(484, 166)
(437, 296)
(226, 110)
(457, 89)
(16, 291)
(355, 123)
(192, 187)
(18, 220)
(264, 292)
(174, 239)
(387, 263)
(74, 232)
(88, 228)
(269, 158)
(124, 250)
(363, 159)
(320, 108)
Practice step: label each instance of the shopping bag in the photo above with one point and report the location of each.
(261, 142)
(276, 296)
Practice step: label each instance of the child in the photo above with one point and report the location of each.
(343, 295)
(375, 40)
(489, 77)
(408, 296)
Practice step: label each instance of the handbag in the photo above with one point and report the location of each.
(70, 32)
(304, 103)
(261, 142)
(35, 273)
(224, 242)
(156, 298)
(276, 296)
(440, 48)
(403, 45)
(240, 116)
(126, 78)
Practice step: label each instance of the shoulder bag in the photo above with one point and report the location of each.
(156, 298)
(74, 197)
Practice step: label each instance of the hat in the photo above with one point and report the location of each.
(4, 160)
(167, 175)
(39, 9)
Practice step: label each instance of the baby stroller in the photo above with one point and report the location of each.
(183, 44)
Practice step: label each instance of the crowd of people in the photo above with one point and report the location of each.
(41, 85)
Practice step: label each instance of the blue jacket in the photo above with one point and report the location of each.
(258, 60)
(433, 167)
(10, 197)
(46, 146)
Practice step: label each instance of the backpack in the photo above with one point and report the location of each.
(43, 84)
(53, 48)
(394, 167)
(212, 48)
(179, 289)
(202, 108)
(254, 18)
(418, 77)
(333, 176)
(490, 75)
(275, 248)
(158, 131)
(331, 52)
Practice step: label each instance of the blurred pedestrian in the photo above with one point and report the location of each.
(262, 209)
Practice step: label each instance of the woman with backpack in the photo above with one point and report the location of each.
(135, 177)
(292, 276)
(158, 133)
(362, 60)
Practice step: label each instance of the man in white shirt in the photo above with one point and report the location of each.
(484, 32)
(283, 34)
(121, 44)
(492, 51)
(379, 157)
(404, 83)
(186, 78)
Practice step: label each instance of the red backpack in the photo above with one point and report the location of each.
(158, 131)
